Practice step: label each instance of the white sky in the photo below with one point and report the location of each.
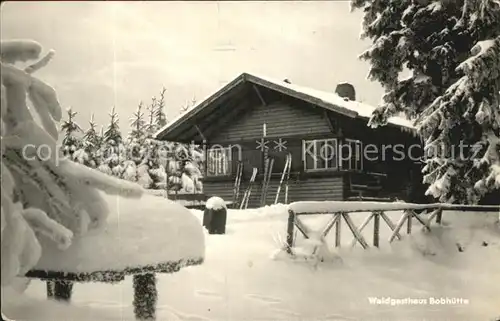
(118, 53)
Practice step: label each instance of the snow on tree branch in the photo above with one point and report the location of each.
(452, 49)
(13, 51)
(41, 63)
(43, 195)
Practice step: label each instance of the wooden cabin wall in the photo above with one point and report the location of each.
(285, 118)
(281, 121)
(299, 189)
(294, 120)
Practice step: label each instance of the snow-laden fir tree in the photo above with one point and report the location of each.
(159, 114)
(137, 123)
(157, 164)
(92, 144)
(46, 199)
(452, 49)
(112, 148)
(185, 163)
(150, 126)
(87, 154)
(152, 169)
(134, 169)
(72, 134)
(112, 132)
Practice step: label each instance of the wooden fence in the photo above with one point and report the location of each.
(341, 211)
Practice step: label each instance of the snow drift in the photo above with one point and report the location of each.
(138, 233)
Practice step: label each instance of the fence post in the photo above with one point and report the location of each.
(289, 231)
(409, 217)
(439, 216)
(337, 230)
(376, 229)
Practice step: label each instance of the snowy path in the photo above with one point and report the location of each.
(239, 281)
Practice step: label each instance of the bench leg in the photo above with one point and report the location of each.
(59, 290)
(145, 296)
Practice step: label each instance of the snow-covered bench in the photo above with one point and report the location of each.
(142, 237)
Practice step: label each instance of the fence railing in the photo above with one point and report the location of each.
(341, 211)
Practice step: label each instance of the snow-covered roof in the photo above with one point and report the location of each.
(363, 110)
(328, 100)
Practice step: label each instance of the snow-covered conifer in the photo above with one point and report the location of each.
(112, 132)
(159, 113)
(150, 126)
(452, 49)
(112, 149)
(88, 153)
(137, 124)
(71, 140)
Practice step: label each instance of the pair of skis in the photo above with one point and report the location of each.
(268, 170)
(237, 184)
(285, 176)
(265, 185)
(248, 191)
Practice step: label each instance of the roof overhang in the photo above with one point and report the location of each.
(329, 101)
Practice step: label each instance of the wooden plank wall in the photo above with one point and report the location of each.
(281, 121)
(305, 189)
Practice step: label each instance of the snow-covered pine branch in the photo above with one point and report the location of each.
(452, 49)
(43, 195)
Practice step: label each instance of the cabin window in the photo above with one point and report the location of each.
(219, 161)
(320, 154)
(351, 155)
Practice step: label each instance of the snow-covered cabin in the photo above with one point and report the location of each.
(326, 134)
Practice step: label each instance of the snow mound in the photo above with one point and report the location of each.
(26, 307)
(215, 203)
(459, 232)
(240, 282)
(138, 232)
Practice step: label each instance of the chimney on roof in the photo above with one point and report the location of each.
(346, 91)
(287, 81)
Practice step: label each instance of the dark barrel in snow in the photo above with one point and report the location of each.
(346, 90)
(215, 215)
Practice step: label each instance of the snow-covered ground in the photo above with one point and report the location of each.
(241, 281)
